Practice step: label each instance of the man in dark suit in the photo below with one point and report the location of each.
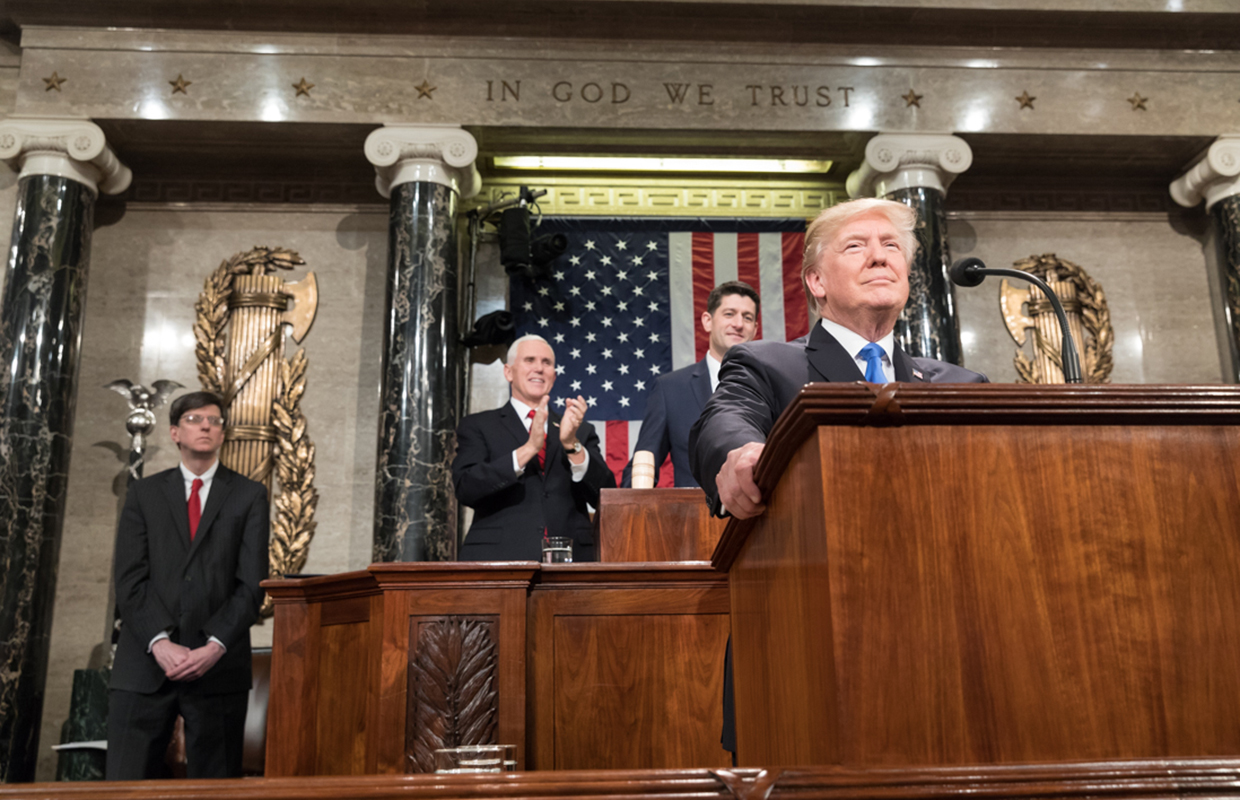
(677, 399)
(527, 471)
(855, 275)
(191, 549)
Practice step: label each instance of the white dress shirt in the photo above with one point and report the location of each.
(712, 366)
(854, 342)
(578, 471)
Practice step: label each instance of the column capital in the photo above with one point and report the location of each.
(1213, 176)
(441, 154)
(71, 148)
(896, 161)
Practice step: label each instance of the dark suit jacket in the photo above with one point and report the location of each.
(758, 380)
(511, 511)
(674, 404)
(194, 591)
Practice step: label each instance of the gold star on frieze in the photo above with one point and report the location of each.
(424, 90)
(180, 84)
(54, 82)
(912, 99)
(303, 87)
(1025, 100)
(1138, 102)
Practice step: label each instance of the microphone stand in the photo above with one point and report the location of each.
(971, 271)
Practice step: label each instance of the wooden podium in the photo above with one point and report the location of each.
(986, 574)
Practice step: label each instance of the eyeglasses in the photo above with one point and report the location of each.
(198, 419)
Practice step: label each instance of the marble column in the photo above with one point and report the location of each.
(916, 169)
(1215, 178)
(424, 170)
(64, 165)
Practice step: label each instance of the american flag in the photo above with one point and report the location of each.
(622, 306)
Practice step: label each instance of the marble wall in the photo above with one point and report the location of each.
(146, 271)
(1151, 266)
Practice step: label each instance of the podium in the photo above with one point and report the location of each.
(990, 574)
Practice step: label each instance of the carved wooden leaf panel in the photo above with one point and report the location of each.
(452, 679)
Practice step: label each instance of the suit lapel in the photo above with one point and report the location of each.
(174, 489)
(904, 367)
(828, 360)
(221, 486)
(699, 379)
(554, 448)
(516, 427)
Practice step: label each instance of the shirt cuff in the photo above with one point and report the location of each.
(156, 638)
(217, 641)
(516, 465)
(579, 470)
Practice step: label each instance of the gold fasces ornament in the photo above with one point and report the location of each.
(239, 333)
(1084, 304)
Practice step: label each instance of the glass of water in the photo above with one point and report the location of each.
(557, 550)
(475, 758)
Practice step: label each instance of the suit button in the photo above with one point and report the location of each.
(188, 579)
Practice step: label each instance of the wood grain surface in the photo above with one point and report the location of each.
(626, 666)
(1120, 780)
(997, 593)
(656, 525)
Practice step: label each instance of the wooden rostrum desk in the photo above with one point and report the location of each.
(581, 666)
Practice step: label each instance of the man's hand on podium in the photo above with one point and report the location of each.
(737, 491)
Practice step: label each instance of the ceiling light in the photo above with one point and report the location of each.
(656, 164)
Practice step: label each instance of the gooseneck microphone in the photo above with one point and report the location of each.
(970, 272)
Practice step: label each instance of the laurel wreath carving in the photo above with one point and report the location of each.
(1095, 318)
(452, 696)
(294, 525)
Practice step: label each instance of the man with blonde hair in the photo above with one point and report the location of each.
(855, 276)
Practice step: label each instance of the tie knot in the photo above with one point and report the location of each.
(872, 350)
(196, 485)
(530, 415)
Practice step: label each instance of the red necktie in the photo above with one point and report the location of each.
(195, 508)
(542, 453)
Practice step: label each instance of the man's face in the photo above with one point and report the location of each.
(862, 274)
(735, 321)
(532, 373)
(200, 431)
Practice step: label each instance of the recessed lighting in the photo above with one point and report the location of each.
(656, 164)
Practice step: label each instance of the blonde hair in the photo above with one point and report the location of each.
(827, 225)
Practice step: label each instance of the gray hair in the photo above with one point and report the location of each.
(512, 349)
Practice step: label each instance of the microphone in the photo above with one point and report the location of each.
(970, 272)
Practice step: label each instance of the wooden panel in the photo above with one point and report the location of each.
(626, 667)
(294, 689)
(341, 725)
(639, 689)
(997, 594)
(656, 525)
(453, 696)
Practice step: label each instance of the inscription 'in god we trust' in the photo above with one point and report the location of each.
(677, 94)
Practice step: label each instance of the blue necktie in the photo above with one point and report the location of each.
(873, 355)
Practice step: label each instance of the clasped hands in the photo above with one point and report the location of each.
(574, 414)
(180, 663)
(737, 491)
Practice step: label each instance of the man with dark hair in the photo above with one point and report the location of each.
(677, 399)
(191, 549)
